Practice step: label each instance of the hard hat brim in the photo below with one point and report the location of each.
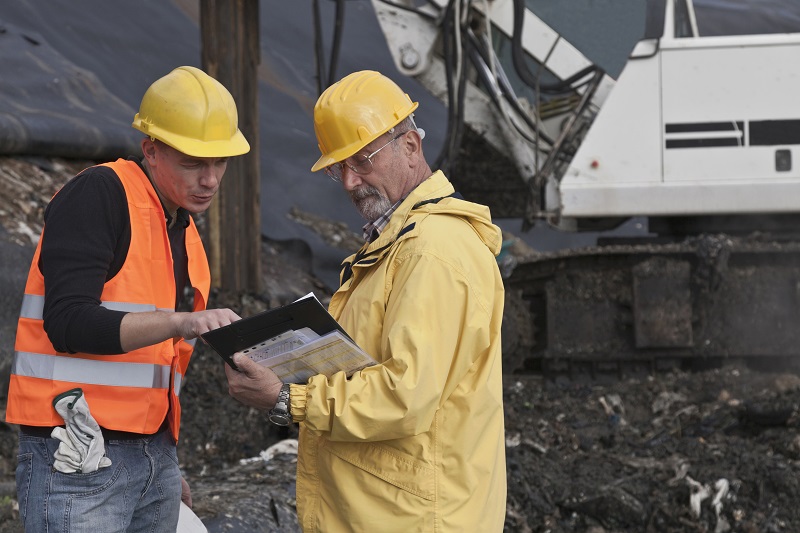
(236, 145)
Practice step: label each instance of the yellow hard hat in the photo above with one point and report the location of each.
(193, 113)
(355, 111)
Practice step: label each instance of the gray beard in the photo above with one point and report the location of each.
(370, 203)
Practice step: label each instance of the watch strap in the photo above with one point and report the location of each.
(281, 414)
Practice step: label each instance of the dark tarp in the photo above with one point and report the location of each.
(49, 105)
(72, 75)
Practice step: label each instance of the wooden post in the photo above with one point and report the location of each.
(230, 53)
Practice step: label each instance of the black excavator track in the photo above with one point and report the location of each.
(648, 306)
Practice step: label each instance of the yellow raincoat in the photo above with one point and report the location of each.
(415, 443)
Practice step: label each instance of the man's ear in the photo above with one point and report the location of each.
(149, 149)
(413, 143)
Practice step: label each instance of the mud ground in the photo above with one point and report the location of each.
(714, 450)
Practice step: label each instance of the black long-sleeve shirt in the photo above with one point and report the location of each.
(84, 244)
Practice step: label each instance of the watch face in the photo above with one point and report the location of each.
(279, 419)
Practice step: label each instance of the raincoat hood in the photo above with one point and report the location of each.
(478, 216)
(435, 195)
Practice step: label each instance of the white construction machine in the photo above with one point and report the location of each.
(698, 135)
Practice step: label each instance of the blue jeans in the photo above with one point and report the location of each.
(139, 492)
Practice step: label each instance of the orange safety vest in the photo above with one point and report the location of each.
(126, 392)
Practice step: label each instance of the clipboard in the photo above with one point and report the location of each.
(305, 312)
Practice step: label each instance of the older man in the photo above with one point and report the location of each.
(416, 442)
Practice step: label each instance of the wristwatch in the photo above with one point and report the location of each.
(280, 415)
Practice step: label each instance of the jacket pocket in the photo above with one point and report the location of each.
(393, 466)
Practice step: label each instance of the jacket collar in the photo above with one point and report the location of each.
(430, 196)
(436, 186)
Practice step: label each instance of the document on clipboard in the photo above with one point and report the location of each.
(296, 341)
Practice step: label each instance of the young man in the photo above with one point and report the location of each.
(102, 344)
(415, 443)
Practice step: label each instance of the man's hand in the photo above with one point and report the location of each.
(145, 329)
(192, 325)
(186, 493)
(253, 385)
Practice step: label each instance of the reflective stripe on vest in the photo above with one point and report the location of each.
(33, 307)
(90, 372)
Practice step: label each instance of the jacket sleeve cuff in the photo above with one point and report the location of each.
(297, 401)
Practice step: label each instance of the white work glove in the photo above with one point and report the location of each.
(82, 448)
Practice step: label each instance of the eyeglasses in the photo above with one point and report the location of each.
(359, 163)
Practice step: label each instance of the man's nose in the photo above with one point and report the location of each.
(209, 176)
(350, 179)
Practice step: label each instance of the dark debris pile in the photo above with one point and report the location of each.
(710, 451)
